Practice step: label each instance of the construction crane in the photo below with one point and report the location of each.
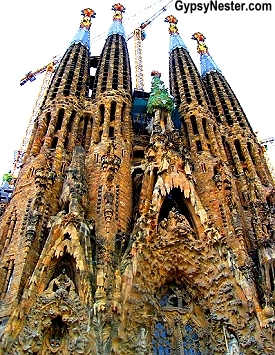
(128, 20)
(266, 141)
(31, 76)
(49, 69)
(139, 35)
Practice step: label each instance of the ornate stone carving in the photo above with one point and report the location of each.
(31, 226)
(44, 177)
(100, 300)
(74, 189)
(61, 284)
(176, 223)
(57, 323)
(110, 162)
(218, 180)
(108, 205)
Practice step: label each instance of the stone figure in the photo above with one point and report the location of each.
(233, 346)
(141, 345)
(62, 283)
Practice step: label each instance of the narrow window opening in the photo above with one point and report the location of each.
(111, 132)
(227, 150)
(102, 112)
(71, 120)
(123, 112)
(54, 142)
(184, 128)
(239, 150)
(66, 208)
(204, 127)
(113, 111)
(100, 135)
(86, 119)
(138, 154)
(66, 144)
(194, 124)
(59, 120)
(48, 118)
(199, 147)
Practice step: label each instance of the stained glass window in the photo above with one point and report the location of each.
(161, 343)
(190, 341)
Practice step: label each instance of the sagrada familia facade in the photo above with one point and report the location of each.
(139, 223)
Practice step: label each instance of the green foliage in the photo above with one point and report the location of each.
(159, 98)
(7, 177)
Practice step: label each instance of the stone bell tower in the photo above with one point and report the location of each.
(45, 238)
(109, 157)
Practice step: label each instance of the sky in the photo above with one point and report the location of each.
(33, 32)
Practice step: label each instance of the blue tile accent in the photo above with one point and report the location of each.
(176, 42)
(208, 64)
(117, 28)
(82, 36)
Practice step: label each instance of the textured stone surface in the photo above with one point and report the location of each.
(107, 252)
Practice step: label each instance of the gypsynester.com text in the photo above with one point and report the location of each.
(205, 7)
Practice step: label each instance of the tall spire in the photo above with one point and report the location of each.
(225, 104)
(117, 27)
(114, 55)
(239, 141)
(185, 80)
(207, 62)
(112, 136)
(175, 38)
(83, 34)
(72, 75)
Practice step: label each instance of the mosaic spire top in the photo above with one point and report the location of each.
(159, 97)
(83, 34)
(117, 27)
(175, 38)
(207, 62)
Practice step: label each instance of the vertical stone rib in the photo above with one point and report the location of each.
(109, 157)
(228, 111)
